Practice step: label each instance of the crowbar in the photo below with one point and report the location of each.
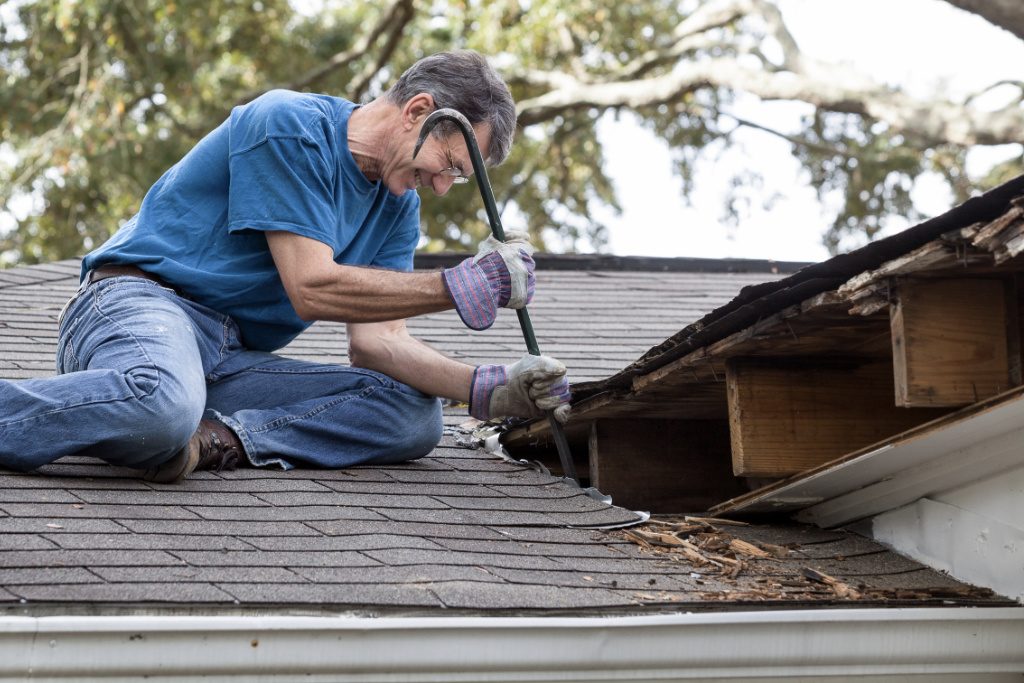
(499, 234)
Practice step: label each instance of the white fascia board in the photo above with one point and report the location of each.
(951, 454)
(821, 644)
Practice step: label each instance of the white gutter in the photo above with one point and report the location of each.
(977, 644)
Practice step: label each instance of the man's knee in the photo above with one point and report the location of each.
(163, 416)
(419, 432)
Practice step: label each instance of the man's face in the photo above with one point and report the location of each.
(437, 164)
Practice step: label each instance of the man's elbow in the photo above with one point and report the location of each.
(363, 354)
(306, 300)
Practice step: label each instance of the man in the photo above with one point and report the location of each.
(297, 208)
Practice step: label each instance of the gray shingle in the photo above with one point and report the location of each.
(186, 574)
(482, 517)
(581, 579)
(263, 558)
(147, 498)
(487, 596)
(33, 481)
(578, 504)
(393, 488)
(123, 592)
(266, 484)
(415, 528)
(399, 557)
(36, 495)
(332, 594)
(146, 542)
(48, 575)
(218, 528)
(60, 511)
(571, 537)
(22, 525)
(416, 573)
(532, 548)
(279, 514)
(359, 500)
(25, 542)
(301, 474)
(86, 558)
(335, 543)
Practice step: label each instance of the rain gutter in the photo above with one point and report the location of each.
(960, 643)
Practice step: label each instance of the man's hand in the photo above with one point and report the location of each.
(526, 388)
(499, 276)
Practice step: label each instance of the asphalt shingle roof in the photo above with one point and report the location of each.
(461, 529)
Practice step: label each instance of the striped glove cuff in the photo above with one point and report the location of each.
(474, 298)
(486, 378)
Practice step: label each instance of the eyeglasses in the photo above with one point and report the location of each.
(453, 171)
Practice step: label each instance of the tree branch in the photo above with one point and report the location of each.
(1006, 14)
(393, 13)
(932, 120)
(401, 20)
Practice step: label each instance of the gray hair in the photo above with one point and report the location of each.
(464, 81)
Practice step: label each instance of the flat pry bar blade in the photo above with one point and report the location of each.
(484, 183)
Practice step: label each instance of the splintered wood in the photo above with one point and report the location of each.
(728, 569)
(699, 541)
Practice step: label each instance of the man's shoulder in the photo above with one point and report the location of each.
(286, 113)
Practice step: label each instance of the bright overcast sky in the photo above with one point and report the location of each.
(919, 44)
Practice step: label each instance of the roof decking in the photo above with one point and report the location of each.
(461, 530)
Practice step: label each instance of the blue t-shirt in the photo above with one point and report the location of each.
(281, 162)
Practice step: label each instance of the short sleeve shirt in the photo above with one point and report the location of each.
(281, 162)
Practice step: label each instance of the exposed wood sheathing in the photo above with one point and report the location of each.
(938, 305)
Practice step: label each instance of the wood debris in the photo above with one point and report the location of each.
(841, 589)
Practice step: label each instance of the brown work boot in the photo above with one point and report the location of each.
(214, 446)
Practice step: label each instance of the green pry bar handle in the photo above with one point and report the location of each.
(564, 455)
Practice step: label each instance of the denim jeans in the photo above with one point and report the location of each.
(140, 366)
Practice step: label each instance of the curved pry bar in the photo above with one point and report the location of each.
(484, 183)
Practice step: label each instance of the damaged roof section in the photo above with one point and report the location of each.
(463, 530)
(866, 351)
(459, 530)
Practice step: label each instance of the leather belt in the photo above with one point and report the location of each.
(103, 272)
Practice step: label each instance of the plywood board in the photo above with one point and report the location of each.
(949, 341)
(786, 416)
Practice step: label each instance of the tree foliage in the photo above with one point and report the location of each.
(101, 96)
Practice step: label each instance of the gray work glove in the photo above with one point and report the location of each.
(527, 388)
(499, 276)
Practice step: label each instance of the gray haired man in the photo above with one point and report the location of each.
(297, 208)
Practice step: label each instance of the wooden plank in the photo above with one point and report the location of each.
(664, 466)
(896, 471)
(786, 416)
(949, 341)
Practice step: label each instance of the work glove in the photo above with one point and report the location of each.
(526, 388)
(499, 276)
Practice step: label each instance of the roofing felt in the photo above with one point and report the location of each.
(461, 529)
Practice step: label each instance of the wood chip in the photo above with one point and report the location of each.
(841, 589)
(715, 520)
(745, 548)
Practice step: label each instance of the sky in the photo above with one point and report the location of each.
(921, 45)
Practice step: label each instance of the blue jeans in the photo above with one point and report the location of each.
(140, 366)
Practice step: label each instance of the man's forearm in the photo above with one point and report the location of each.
(320, 289)
(361, 295)
(397, 354)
